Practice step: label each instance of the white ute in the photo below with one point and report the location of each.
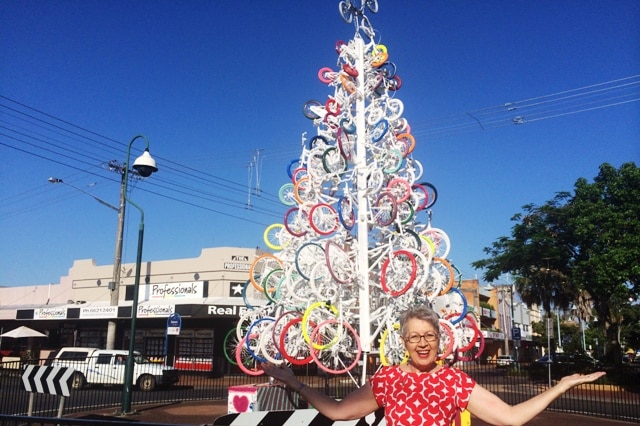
(107, 367)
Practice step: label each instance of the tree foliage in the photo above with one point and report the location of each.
(577, 250)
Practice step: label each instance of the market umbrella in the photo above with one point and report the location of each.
(22, 332)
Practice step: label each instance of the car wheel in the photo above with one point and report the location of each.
(146, 382)
(78, 381)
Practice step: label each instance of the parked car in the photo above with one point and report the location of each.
(562, 364)
(504, 361)
(107, 367)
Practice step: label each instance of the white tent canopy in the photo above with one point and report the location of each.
(23, 332)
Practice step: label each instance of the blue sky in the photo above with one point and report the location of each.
(211, 83)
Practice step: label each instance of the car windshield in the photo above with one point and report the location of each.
(139, 359)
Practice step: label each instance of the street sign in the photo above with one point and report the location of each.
(515, 333)
(49, 380)
(174, 323)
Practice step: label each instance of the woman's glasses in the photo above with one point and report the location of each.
(415, 338)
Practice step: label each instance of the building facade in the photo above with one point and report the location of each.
(208, 293)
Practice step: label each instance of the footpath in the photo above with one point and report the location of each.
(205, 412)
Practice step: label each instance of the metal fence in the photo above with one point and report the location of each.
(616, 397)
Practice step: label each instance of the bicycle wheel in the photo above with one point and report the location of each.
(398, 273)
(346, 144)
(316, 314)
(408, 141)
(392, 161)
(244, 322)
(447, 339)
(276, 236)
(419, 196)
(307, 256)
(345, 11)
(379, 129)
(405, 214)
(452, 305)
(333, 161)
(441, 242)
(309, 111)
(292, 344)
(446, 273)
(230, 344)
(271, 284)
(323, 219)
(474, 352)
(346, 215)
(323, 287)
(245, 361)
(269, 350)
(384, 209)
(303, 191)
(392, 350)
(467, 332)
(341, 356)
(281, 321)
(297, 288)
(318, 141)
(286, 194)
(400, 189)
(259, 328)
(326, 75)
(430, 194)
(339, 263)
(296, 221)
(297, 174)
(260, 267)
(375, 179)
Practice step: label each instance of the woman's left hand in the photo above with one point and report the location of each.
(578, 379)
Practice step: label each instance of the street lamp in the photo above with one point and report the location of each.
(104, 203)
(145, 166)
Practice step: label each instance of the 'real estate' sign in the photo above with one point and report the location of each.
(226, 310)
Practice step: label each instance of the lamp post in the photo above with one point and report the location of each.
(145, 166)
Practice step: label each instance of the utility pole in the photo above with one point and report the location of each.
(114, 285)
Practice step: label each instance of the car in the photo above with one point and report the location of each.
(95, 366)
(504, 361)
(562, 364)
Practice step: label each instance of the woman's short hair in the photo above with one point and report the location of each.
(421, 312)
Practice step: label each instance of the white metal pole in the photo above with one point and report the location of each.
(363, 234)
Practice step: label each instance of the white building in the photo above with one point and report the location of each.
(206, 292)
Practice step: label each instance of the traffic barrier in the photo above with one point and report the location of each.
(47, 380)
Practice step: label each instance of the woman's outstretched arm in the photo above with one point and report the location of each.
(355, 405)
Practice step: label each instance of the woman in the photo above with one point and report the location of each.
(423, 392)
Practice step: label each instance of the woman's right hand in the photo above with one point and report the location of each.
(280, 372)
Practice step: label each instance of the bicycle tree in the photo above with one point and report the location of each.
(356, 245)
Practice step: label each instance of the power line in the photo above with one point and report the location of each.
(64, 143)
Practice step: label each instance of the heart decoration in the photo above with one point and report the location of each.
(240, 403)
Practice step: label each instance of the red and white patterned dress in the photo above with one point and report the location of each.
(419, 398)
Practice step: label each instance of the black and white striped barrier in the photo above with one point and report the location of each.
(49, 380)
(313, 418)
(307, 417)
